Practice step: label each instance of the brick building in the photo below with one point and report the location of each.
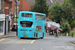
(18, 6)
(8, 7)
(5, 6)
(24, 5)
(12, 10)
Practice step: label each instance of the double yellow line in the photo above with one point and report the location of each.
(2, 39)
(32, 41)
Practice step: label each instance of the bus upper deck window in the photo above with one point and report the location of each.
(40, 17)
(26, 15)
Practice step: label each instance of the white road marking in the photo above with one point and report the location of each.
(32, 41)
(23, 48)
(41, 49)
(2, 39)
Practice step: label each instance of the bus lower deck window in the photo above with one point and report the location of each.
(38, 28)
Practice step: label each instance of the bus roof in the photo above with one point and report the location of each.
(32, 12)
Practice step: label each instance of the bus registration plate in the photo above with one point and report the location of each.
(25, 36)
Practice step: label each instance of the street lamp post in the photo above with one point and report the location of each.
(16, 16)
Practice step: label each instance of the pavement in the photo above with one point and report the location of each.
(11, 34)
(73, 42)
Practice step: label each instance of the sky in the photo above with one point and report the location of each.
(51, 1)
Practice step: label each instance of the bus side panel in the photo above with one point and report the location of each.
(39, 23)
(44, 28)
(19, 25)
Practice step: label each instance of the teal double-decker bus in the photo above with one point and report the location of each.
(31, 25)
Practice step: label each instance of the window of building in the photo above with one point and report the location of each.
(1, 26)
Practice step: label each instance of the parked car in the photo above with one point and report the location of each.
(14, 28)
(51, 29)
(60, 30)
(48, 27)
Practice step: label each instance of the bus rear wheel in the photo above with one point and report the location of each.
(21, 38)
(42, 36)
(36, 35)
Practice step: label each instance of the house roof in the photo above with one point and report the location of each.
(32, 2)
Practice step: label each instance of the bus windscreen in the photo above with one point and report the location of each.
(26, 23)
(26, 15)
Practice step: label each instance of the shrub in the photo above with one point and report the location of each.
(73, 23)
(65, 26)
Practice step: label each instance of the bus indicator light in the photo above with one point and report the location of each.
(32, 26)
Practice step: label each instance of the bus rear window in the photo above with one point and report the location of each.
(26, 15)
(26, 23)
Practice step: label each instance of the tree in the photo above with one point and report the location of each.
(40, 6)
(67, 11)
(59, 12)
(56, 12)
(72, 2)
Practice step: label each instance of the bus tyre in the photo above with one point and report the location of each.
(21, 38)
(36, 35)
(42, 36)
